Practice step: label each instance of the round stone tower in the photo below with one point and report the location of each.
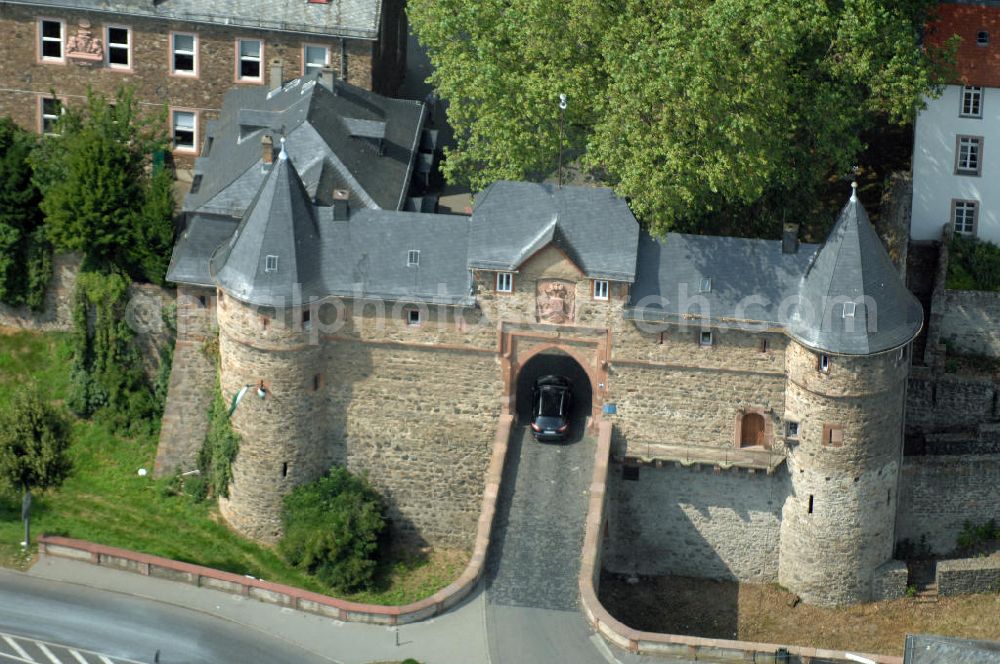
(266, 275)
(846, 367)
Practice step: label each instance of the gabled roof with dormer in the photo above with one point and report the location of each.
(512, 221)
(339, 136)
(274, 256)
(359, 19)
(852, 300)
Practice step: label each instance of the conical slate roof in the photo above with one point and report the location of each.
(273, 258)
(852, 271)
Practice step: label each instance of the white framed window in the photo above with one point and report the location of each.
(791, 429)
(849, 309)
(600, 289)
(964, 216)
(413, 316)
(824, 363)
(705, 338)
(972, 102)
(314, 58)
(184, 54)
(184, 125)
(270, 263)
(505, 282)
(969, 155)
(249, 55)
(51, 34)
(412, 258)
(51, 109)
(706, 285)
(118, 47)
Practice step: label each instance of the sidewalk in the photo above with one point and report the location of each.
(458, 637)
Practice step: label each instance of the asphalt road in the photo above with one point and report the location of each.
(123, 629)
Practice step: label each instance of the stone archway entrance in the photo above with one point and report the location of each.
(584, 353)
(555, 362)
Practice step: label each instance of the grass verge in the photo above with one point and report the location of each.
(106, 501)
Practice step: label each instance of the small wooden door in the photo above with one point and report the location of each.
(752, 430)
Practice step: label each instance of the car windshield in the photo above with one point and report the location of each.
(550, 403)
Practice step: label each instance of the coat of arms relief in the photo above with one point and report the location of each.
(554, 301)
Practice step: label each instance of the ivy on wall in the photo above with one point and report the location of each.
(215, 460)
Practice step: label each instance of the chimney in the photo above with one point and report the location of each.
(340, 207)
(790, 238)
(327, 76)
(275, 74)
(267, 149)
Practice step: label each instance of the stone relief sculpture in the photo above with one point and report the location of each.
(554, 301)
(83, 45)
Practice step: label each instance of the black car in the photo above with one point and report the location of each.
(551, 405)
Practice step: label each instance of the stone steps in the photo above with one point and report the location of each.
(185, 416)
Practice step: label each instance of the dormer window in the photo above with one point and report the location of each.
(270, 264)
(600, 289)
(413, 258)
(505, 282)
(706, 285)
(982, 38)
(849, 308)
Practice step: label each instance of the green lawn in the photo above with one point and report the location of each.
(106, 501)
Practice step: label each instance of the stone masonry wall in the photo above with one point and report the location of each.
(968, 575)
(57, 311)
(969, 321)
(695, 522)
(939, 402)
(27, 79)
(939, 493)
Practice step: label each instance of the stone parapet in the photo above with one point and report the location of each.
(969, 575)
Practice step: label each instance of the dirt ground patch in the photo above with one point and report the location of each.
(763, 613)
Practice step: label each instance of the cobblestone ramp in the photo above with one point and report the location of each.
(534, 559)
(185, 417)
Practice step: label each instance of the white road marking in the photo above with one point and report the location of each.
(14, 658)
(602, 647)
(105, 660)
(48, 653)
(78, 656)
(18, 649)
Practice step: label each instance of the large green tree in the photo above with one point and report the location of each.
(24, 252)
(100, 193)
(689, 107)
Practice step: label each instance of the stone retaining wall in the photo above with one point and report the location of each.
(968, 575)
(57, 312)
(889, 581)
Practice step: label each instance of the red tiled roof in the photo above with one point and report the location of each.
(977, 65)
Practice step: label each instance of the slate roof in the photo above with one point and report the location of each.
(853, 266)
(279, 223)
(927, 649)
(750, 278)
(339, 18)
(591, 225)
(321, 126)
(204, 233)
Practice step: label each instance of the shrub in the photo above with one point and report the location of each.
(973, 264)
(332, 529)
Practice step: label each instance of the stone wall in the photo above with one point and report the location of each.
(57, 311)
(937, 402)
(968, 575)
(889, 581)
(694, 522)
(969, 321)
(28, 80)
(939, 493)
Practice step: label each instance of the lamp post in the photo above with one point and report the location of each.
(562, 115)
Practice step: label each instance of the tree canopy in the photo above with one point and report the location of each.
(34, 439)
(100, 194)
(690, 108)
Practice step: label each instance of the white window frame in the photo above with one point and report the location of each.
(601, 289)
(505, 282)
(965, 207)
(789, 424)
(413, 258)
(705, 338)
(42, 39)
(968, 155)
(270, 263)
(849, 309)
(108, 47)
(174, 52)
(706, 285)
(971, 102)
(194, 130)
(43, 115)
(824, 363)
(305, 63)
(259, 60)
